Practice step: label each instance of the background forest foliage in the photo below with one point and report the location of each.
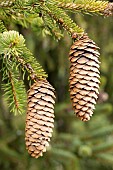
(75, 145)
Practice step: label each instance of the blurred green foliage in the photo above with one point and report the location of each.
(75, 145)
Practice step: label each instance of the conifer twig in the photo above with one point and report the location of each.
(85, 6)
(63, 19)
(6, 3)
(2, 27)
(14, 91)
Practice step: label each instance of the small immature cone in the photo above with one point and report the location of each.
(40, 117)
(84, 76)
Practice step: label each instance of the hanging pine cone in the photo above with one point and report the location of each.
(40, 117)
(84, 76)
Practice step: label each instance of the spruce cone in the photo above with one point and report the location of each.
(40, 117)
(84, 76)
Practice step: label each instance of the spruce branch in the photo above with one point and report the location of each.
(32, 66)
(2, 27)
(53, 26)
(56, 11)
(13, 87)
(15, 56)
(53, 13)
(14, 44)
(11, 43)
(85, 6)
(63, 19)
(6, 3)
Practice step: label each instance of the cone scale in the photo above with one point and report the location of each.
(84, 76)
(40, 117)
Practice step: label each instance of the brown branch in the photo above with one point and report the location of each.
(13, 90)
(28, 67)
